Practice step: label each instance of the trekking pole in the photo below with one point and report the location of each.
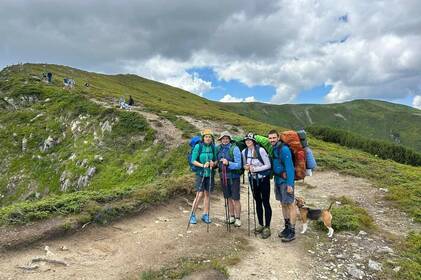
(225, 200)
(228, 203)
(209, 189)
(248, 206)
(195, 203)
(193, 209)
(254, 206)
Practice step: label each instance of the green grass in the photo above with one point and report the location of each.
(349, 216)
(220, 259)
(411, 258)
(372, 119)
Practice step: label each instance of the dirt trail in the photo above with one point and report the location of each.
(166, 131)
(158, 237)
(155, 238)
(327, 184)
(217, 127)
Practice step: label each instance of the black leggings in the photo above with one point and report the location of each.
(261, 194)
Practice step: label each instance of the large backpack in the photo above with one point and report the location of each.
(310, 160)
(292, 139)
(192, 143)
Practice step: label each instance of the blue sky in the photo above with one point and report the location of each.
(263, 93)
(354, 46)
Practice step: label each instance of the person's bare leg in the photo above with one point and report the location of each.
(206, 202)
(197, 202)
(285, 211)
(292, 213)
(231, 207)
(237, 208)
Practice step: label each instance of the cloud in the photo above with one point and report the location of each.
(416, 102)
(228, 98)
(290, 45)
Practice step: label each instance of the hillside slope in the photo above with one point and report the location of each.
(371, 118)
(55, 140)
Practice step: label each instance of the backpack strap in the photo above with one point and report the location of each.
(259, 157)
(257, 149)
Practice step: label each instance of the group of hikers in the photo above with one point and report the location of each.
(231, 162)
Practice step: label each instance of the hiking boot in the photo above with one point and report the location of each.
(285, 231)
(206, 219)
(237, 223)
(231, 220)
(290, 236)
(266, 232)
(258, 229)
(193, 220)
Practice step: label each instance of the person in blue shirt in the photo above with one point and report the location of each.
(229, 166)
(284, 173)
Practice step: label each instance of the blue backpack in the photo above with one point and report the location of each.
(193, 142)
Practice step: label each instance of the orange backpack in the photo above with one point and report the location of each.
(292, 139)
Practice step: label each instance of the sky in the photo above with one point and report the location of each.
(296, 51)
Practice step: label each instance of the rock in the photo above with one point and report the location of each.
(72, 157)
(91, 171)
(131, 168)
(385, 250)
(24, 144)
(397, 269)
(82, 182)
(355, 272)
(106, 127)
(65, 185)
(48, 144)
(373, 265)
(98, 158)
(84, 163)
(362, 233)
(340, 256)
(36, 117)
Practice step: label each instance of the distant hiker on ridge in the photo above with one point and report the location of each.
(131, 101)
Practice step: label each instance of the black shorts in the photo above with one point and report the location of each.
(232, 190)
(202, 183)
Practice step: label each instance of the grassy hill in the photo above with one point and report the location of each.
(371, 118)
(64, 154)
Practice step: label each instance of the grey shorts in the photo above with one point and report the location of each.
(232, 190)
(282, 195)
(202, 183)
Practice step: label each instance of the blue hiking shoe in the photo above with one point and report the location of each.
(193, 219)
(206, 219)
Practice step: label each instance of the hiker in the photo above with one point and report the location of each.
(283, 169)
(131, 101)
(229, 166)
(257, 163)
(204, 157)
(49, 77)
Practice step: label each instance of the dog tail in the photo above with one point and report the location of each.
(330, 206)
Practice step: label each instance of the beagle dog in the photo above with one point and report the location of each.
(314, 214)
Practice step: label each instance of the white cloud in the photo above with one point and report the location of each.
(170, 71)
(290, 45)
(250, 99)
(228, 98)
(417, 102)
